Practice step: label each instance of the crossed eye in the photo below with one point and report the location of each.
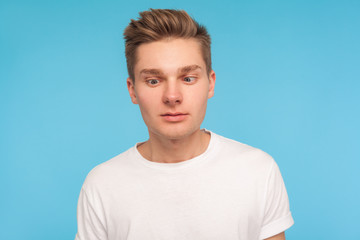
(189, 79)
(156, 81)
(153, 81)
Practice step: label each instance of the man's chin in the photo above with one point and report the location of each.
(173, 133)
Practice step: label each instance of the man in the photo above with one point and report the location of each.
(184, 182)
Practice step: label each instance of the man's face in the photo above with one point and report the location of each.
(171, 87)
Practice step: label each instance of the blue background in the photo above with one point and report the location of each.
(287, 82)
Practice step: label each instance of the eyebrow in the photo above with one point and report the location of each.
(158, 72)
(151, 71)
(189, 68)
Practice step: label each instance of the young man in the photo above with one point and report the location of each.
(183, 183)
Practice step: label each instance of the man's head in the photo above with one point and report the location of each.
(170, 72)
(160, 24)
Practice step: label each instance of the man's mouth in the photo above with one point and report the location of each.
(173, 114)
(174, 117)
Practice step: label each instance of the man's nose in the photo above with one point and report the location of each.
(172, 93)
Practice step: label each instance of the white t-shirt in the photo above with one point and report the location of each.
(230, 192)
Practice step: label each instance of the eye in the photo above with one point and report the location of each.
(189, 79)
(152, 81)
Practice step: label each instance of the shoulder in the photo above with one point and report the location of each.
(243, 154)
(237, 149)
(112, 170)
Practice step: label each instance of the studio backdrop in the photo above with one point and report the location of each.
(287, 83)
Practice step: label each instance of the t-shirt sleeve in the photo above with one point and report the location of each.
(89, 221)
(277, 215)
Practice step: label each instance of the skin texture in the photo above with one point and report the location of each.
(171, 88)
(280, 236)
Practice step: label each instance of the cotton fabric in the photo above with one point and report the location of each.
(231, 191)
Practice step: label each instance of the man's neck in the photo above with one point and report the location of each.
(172, 151)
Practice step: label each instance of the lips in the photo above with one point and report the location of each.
(174, 117)
(173, 114)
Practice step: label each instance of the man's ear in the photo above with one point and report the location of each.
(131, 88)
(212, 79)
